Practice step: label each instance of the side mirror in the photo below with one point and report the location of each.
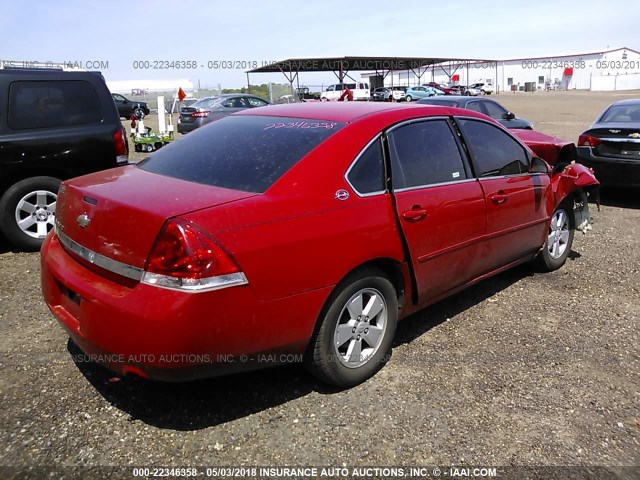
(538, 166)
(508, 116)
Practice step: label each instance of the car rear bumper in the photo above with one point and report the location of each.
(187, 127)
(170, 335)
(615, 172)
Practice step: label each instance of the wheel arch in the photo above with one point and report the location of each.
(25, 174)
(397, 272)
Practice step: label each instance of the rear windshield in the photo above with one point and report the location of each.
(439, 103)
(206, 102)
(243, 152)
(621, 114)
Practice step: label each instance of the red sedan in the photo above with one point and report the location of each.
(299, 232)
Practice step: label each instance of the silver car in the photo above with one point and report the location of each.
(210, 109)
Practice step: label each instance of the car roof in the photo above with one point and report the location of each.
(454, 98)
(348, 111)
(229, 95)
(628, 101)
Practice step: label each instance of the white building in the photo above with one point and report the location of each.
(617, 69)
(143, 87)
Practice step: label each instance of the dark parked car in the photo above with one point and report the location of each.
(300, 231)
(210, 109)
(388, 94)
(127, 107)
(54, 125)
(611, 146)
(483, 105)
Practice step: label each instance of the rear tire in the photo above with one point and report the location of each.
(356, 330)
(27, 211)
(557, 245)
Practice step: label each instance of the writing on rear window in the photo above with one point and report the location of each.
(327, 125)
(245, 152)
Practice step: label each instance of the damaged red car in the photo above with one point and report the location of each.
(299, 233)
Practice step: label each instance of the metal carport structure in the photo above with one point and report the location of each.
(341, 66)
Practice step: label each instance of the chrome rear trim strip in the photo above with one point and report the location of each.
(101, 261)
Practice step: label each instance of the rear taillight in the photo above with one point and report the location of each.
(203, 114)
(184, 257)
(120, 142)
(588, 141)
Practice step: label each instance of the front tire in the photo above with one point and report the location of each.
(559, 240)
(27, 211)
(408, 98)
(356, 330)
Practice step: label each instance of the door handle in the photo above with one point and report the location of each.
(498, 198)
(416, 214)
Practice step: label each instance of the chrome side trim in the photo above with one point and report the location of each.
(620, 140)
(433, 185)
(101, 261)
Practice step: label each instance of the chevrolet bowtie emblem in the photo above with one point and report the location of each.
(83, 220)
(634, 135)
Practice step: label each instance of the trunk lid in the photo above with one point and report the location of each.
(619, 140)
(185, 114)
(118, 213)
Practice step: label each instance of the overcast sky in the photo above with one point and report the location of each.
(121, 33)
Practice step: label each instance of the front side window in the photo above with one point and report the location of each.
(367, 174)
(256, 102)
(493, 109)
(493, 151)
(237, 102)
(246, 152)
(424, 153)
(46, 104)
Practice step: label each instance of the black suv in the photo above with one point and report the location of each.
(54, 125)
(127, 107)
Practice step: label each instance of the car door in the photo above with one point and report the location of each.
(124, 107)
(440, 206)
(515, 198)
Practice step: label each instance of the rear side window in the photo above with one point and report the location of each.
(424, 153)
(46, 104)
(494, 152)
(245, 152)
(367, 174)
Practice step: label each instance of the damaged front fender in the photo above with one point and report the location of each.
(579, 183)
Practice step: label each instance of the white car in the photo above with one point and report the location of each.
(360, 91)
(485, 88)
(471, 91)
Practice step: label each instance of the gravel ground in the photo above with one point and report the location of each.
(522, 369)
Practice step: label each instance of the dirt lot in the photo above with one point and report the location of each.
(522, 369)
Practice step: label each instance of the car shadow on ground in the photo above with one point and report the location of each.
(4, 246)
(421, 322)
(205, 403)
(619, 197)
